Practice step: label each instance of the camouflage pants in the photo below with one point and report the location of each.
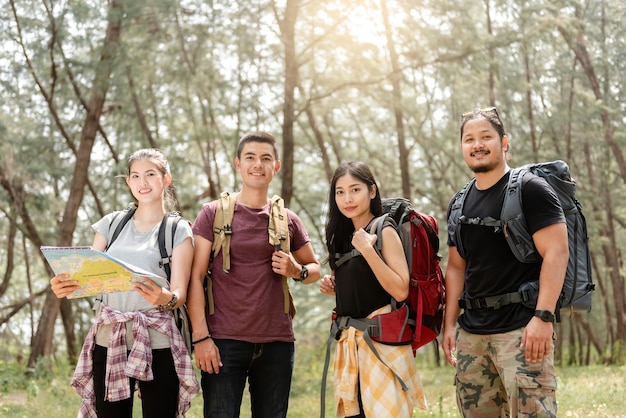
(494, 380)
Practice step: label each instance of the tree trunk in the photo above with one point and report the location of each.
(579, 47)
(396, 78)
(287, 31)
(492, 70)
(42, 341)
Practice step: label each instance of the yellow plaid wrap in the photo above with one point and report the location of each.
(381, 393)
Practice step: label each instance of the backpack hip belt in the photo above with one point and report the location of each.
(496, 302)
(394, 328)
(367, 325)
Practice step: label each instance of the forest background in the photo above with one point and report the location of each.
(84, 83)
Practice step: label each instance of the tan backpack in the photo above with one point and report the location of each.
(278, 231)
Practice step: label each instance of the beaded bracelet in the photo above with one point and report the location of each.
(201, 339)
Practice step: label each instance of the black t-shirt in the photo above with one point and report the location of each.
(491, 268)
(357, 290)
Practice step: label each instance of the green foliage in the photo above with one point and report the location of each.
(596, 391)
(12, 377)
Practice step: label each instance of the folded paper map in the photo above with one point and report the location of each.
(95, 271)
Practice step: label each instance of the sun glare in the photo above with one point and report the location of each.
(366, 25)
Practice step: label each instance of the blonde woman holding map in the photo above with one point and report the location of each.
(134, 338)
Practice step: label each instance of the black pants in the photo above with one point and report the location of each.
(159, 397)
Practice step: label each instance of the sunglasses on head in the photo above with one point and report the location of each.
(491, 109)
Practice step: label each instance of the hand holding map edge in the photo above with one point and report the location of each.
(94, 271)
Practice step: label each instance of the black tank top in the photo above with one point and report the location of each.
(358, 291)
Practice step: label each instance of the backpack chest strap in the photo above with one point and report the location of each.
(488, 221)
(343, 257)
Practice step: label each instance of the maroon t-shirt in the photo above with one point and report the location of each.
(249, 300)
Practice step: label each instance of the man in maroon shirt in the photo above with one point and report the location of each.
(249, 336)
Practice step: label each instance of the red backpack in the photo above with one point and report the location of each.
(420, 239)
(418, 319)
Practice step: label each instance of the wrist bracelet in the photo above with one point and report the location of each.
(201, 339)
(169, 305)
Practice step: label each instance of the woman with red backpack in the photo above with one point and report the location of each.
(372, 379)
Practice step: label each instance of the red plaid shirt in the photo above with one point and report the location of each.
(138, 364)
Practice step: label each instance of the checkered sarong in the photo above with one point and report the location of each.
(381, 392)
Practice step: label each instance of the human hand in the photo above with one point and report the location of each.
(449, 345)
(362, 240)
(207, 356)
(62, 286)
(151, 292)
(285, 265)
(327, 285)
(537, 340)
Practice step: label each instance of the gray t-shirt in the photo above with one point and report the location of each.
(140, 249)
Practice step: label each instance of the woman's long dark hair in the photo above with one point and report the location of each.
(339, 229)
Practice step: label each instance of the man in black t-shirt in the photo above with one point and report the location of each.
(503, 354)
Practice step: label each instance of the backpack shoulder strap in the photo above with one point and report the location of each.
(375, 227)
(118, 222)
(513, 219)
(456, 213)
(278, 231)
(514, 187)
(512, 206)
(278, 227)
(222, 232)
(167, 232)
(223, 228)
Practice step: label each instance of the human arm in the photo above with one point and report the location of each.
(391, 270)
(552, 244)
(454, 279)
(206, 352)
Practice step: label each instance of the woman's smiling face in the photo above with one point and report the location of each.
(353, 197)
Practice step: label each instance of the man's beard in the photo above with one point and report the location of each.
(483, 168)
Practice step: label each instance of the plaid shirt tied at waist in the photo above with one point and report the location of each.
(137, 364)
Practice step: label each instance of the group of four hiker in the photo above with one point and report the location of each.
(504, 361)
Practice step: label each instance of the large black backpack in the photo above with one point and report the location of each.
(578, 284)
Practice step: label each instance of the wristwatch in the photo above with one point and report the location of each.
(169, 305)
(546, 316)
(303, 274)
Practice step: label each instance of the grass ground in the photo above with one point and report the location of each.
(594, 391)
